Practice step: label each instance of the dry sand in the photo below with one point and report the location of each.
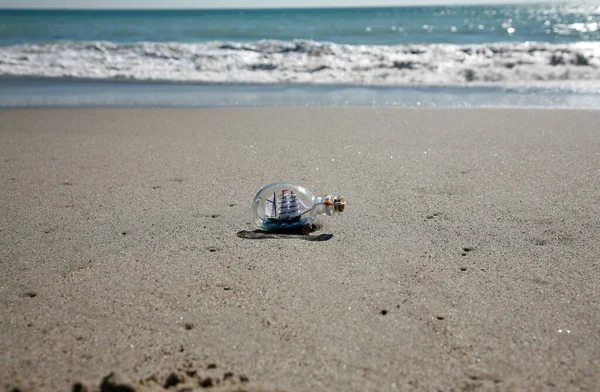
(467, 257)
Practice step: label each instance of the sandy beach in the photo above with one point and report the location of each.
(467, 257)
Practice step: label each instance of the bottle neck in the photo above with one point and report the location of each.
(327, 205)
(320, 199)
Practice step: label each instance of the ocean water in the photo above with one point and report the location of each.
(533, 50)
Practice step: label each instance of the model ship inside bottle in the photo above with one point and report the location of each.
(285, 206)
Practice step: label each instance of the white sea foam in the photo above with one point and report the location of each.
(302, 61)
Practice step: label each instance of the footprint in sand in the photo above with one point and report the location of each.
(466, 250)
(188, 376)
(434, 215)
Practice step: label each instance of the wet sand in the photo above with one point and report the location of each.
(467, 257)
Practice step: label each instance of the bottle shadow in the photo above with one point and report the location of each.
(301, 233)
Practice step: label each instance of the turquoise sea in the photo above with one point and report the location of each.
(540, 55)
(355, 26)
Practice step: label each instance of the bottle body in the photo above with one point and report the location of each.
(284, 206)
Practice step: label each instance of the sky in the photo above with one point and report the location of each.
(142, 4)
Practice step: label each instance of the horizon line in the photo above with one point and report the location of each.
(250, 8)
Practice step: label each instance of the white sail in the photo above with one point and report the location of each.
(271, 207)
(294, 207)
(289, 206)
(284, 206)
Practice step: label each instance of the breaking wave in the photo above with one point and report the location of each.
(307, 62)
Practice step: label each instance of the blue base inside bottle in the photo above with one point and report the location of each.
(283, 226)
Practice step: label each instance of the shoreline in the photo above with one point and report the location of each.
(465, 257)
(17, 92)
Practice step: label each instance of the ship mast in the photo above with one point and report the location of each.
(284, 211)
(294, 208)
(286, 208)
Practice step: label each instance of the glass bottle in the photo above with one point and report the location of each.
(285, 206)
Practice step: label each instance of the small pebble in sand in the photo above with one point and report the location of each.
(206, 383)
(77, 387)
(172, 380)
(384, 312)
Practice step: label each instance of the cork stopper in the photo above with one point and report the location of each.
(339, 203)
